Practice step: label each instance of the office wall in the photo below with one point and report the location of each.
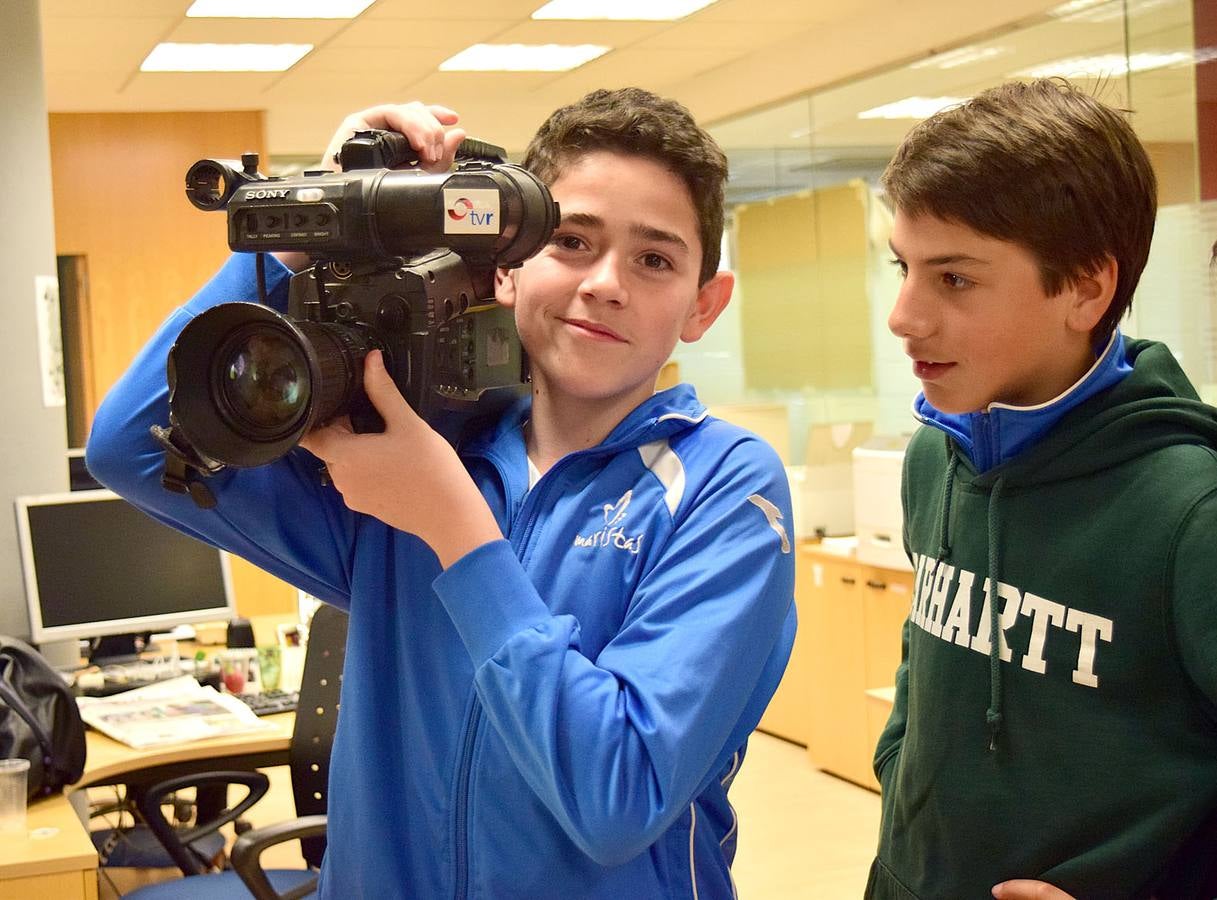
(118, 182)
(32, 459)
(802, 263)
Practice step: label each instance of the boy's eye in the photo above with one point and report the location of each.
(901, 265)
(567, 241)
(655, 261)
(955, 282)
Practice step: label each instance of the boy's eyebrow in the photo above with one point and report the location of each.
(646, 232)
(650, 233)
(946, 260)
(587, 220)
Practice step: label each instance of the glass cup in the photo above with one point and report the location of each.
(270, 667)
(13, 775)
(234, 670)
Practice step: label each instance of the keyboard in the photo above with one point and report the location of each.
(268, 703)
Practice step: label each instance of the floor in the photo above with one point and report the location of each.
(802, 834)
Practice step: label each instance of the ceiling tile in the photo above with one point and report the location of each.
(468, 10)
(114, 9)
(197, 90)
(613, 34)
(100, 44)
(393, 34)
(255, 31)
(777, 11)
(734, 36)
(401, 65)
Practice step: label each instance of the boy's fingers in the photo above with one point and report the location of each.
(1026, 889)
(444, 114)
(384, 394)
(452, 140)
(422, 124)
(321, 442)
(325, 441)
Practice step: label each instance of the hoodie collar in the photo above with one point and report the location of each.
(1000, 432)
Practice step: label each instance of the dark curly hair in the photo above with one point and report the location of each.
(638, 123)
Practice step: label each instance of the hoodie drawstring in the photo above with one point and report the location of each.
(993, 715)
(944, 520)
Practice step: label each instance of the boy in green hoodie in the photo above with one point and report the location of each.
(1074, 470)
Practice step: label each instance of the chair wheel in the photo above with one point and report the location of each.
(182, 810)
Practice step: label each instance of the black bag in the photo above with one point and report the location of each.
(39, 720)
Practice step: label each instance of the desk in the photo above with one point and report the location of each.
(63, 864)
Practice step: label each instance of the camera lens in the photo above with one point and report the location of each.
(263, 379)
(246, 383)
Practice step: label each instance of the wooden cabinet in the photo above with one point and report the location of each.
(850, 620)
(789, 713)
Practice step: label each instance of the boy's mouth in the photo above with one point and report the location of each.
(926, 370)
(594, 329)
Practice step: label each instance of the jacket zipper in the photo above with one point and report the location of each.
(474, 721)
(462, 803)
(473, 726)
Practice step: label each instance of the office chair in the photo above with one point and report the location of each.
(127, 843)
(309, 761)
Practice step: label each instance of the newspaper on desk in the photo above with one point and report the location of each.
(168, 712)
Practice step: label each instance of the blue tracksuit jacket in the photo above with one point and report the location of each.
(560, 713)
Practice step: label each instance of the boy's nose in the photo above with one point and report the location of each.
(602, 281)
(909, 316)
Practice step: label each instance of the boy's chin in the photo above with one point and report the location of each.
(953, 406)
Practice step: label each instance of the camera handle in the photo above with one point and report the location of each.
(184, 467)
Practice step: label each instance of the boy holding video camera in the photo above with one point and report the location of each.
(561, 634)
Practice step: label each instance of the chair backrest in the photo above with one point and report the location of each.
(316, 718)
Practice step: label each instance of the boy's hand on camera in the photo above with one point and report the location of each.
(409, 477)
(427, 126)
(1026, 889)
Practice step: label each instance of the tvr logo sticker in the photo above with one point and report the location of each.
(471, 211)
(613, 533)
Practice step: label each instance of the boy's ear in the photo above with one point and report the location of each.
(712, 298)
(505, 287)
(1092, 293)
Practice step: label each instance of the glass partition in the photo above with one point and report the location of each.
(808, 231)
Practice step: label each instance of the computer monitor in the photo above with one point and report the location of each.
(94, 565)
(79, 476)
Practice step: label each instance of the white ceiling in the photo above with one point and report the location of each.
(730, 58)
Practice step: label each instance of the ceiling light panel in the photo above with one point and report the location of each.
(964, 56)
(277, 9)
(169, 57)
(522, 57)
(911, 108)
(1109, 65)
(624, 10)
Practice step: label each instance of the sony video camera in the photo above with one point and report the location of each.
(403, 262)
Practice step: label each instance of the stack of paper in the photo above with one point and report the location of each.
(169, 712)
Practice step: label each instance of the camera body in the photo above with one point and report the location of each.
(450, 353)
(403, 262)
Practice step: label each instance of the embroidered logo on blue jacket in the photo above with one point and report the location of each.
(613, 533)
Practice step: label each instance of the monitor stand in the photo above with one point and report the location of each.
(118, 649)
(64, 656)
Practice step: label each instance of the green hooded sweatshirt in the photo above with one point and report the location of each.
(1082, 750)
